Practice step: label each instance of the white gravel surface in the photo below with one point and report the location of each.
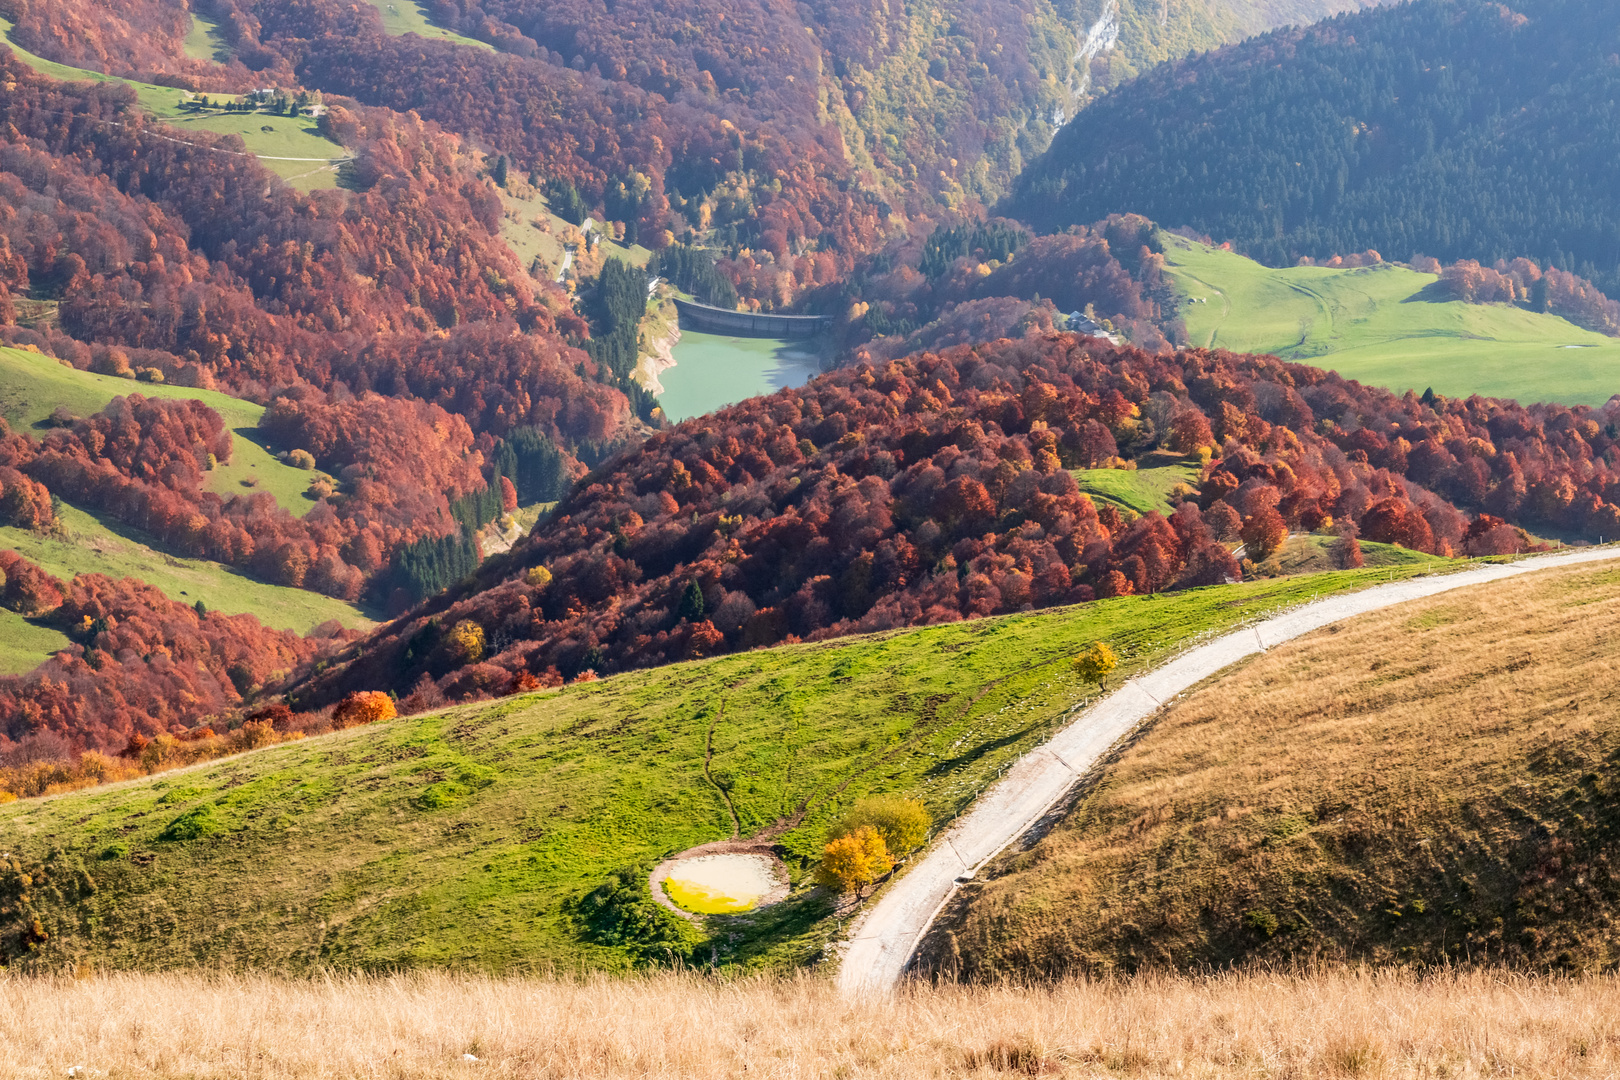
(883, 940)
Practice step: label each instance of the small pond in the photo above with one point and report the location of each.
(712, 370)
(723, 884)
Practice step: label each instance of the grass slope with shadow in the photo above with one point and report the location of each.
(1432, 784)
(88, 543)
(1380, 326)
(469, 838)
(32, 386)
(401, 17)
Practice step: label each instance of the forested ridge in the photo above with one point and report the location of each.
(937, 487)
(1459, 129)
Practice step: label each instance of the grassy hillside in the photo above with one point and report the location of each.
(1138, 490)
(1380, 326)
(23, 644)
(90, 544)
(268, 137)
(32, 386)
(206, 41)
(1431, 783)
(458, 838)
(408, 17)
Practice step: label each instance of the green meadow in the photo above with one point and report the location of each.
(33, 385)
(407, 17)
(1137, 490)
(263, 135)
(1381, 326)
(87, 543)
(461, 838)
(206, 40)
(25, 643)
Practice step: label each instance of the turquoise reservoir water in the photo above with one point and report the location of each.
(712, 371)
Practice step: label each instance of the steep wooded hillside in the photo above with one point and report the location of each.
(1455, 128)
(1432, 785)
(939, 487)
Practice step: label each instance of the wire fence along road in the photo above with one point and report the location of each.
(883, 941)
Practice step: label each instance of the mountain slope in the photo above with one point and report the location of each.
(459, 838)
(1455, 128)
(1427, 785)
(1388, 326)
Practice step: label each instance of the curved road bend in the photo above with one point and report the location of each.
(882, 942)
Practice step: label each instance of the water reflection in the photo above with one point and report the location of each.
(712, 370)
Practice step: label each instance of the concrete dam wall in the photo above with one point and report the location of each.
(749, 323)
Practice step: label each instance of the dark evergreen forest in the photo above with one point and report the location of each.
(1454, 128)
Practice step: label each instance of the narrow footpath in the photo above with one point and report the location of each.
(882, 943)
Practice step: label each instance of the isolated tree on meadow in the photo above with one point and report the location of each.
(1095, 664)
(363, 707)
(850, 863)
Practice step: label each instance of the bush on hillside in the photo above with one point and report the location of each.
(903, 823)
(621, 913)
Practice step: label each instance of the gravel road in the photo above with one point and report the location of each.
(882, 942)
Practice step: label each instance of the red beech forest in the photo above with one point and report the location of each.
(936, 488)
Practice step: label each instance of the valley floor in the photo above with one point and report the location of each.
(1337, 1023)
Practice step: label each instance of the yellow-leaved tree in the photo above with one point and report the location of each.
(1095, 663)
(850, 863)
(903, 823)
(466, 641)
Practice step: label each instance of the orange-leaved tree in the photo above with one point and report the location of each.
(363, 707)
(850, 863)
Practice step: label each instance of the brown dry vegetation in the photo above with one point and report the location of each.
(1341, 1024)
(1434, 783)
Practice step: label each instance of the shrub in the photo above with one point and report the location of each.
(192, 825)
(363, 707)
(301, 459)
(622, 913)
(903, 823)
(850, 863)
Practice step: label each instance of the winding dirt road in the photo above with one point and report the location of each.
(882, 942)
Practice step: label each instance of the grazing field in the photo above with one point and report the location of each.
(90, 544)
(1431, 784)
(23, 643)
(460, 838)
(417, 1027)
(32, 386)
(407, 17)
(206, 41)
(265, 136)
(1137, 490)
(1378, 325)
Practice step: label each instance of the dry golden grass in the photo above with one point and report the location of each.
(1434, 782)
(1273, 1026)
